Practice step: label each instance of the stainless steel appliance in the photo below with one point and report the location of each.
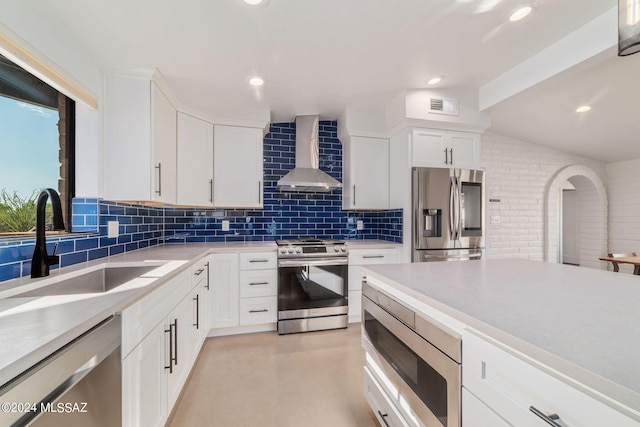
(419, 358)
(447, 214)
(312, 285)
(78, 385)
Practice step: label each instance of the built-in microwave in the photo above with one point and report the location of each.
(418, 358)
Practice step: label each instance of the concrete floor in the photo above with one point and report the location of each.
(266, 379)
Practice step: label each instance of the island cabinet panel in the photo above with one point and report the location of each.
(513, 387)
(477, 414)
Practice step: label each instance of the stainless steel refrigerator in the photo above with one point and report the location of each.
(447, 214)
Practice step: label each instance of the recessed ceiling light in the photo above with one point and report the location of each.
(520, 13)
(583, 109)
(256, 2)
(256, 81)
(435, 80)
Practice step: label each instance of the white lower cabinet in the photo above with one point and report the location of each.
(245, 286)
(357, 259)
(477, 414)
(384, 410)
(161, 336)
(144, 382)
(226, 290)
(513, 387)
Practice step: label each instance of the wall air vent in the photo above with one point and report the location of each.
(448, 106)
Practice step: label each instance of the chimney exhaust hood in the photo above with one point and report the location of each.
(306, 176)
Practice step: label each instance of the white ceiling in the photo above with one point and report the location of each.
(322, 56)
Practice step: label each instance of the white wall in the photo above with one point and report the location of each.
(518, 173)
(623, 186)
(570, 228)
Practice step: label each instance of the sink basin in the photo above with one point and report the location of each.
(101, 280)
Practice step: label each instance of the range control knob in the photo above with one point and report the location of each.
(282, 250)
(343, 248)
(290, 250)
(336, 249)
(298, 249)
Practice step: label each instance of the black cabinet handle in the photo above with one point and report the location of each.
(549, 419)
(372, 256)
(199, 272)
(207, 266)
(258, 311)
(258, 283)
(159, 190)
(175, 341)
(384, 418)
(170, 331)
(258, 260)
(197, 300)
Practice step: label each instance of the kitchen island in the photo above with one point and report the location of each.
(575, 324)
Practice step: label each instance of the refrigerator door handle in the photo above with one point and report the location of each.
(459, 209)
(452, 208)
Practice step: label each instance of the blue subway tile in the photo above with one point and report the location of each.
(98, 253)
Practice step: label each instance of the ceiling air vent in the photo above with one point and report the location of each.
(447, 106)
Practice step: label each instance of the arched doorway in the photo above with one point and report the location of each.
(591, 205)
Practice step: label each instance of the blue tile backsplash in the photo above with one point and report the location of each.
(284, 216)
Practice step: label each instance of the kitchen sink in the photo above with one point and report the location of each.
(101, 280)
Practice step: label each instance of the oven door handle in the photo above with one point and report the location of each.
(312, 262)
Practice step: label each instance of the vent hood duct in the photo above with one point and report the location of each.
(306, 176)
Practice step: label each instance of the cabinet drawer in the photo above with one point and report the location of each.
(510, 386)
(141, 317)
(382, 407)
(254, 311)
(372, 256)
(258, 283)
(199, 272)
(258, 260)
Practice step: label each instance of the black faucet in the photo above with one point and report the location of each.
(41, 259)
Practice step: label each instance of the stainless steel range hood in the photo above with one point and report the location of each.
(306, 176)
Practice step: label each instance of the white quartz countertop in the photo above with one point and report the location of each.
(32, 328)
(372, 244)
(581, 322)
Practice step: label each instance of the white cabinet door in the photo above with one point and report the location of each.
(366, 173)
(237, 167)
(140, 140)
(464, 149)
(225, 287)
(428, 148)
(195, 161)
(163, 140)
(179, 323)
(441, 149)
(144, 382)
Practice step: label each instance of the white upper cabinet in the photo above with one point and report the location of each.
(442, 149)
(365, 172)
(237, 167)
(195, 161)
(140, 140)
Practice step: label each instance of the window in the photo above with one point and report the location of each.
(37, 133)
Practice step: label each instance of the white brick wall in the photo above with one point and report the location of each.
(623, 188)
(519, 174)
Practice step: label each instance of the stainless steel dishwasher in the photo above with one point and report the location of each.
(78, 385)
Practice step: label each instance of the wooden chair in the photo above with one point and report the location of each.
(616, 267)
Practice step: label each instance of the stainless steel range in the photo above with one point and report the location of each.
(312, 285)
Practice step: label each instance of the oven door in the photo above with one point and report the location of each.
(312, 287)
(423, 377)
